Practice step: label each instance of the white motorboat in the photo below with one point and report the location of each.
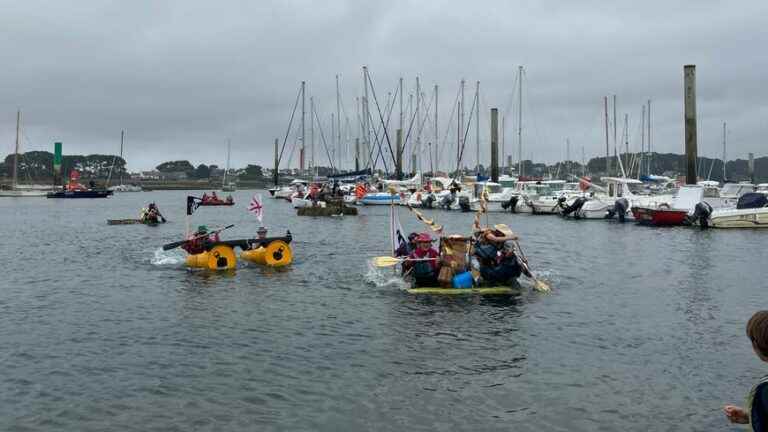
(125, 188)
(751, 211)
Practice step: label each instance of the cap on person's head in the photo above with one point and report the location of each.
(202, 229)
(261, 230)
(424, 238)
(504, 229)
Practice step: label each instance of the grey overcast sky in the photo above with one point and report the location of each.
(182, 77)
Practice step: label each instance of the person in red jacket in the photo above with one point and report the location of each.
(423, 262)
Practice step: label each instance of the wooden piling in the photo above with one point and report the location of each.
(691, 154)
(494, 145)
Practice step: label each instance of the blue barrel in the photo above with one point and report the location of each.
(463, 280)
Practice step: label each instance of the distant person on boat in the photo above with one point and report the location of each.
(495, 253)
(755, 413)
(229, 198)
(423, 262)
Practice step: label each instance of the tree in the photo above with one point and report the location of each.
(202, 172)
(175, 166)
(252, 172)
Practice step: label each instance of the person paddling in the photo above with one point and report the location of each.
(423, 262)
(199, 240)
(496, 252)
(755, 412)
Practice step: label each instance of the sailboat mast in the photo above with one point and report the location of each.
(520, 121)
(226, 169)
(724, 154)
(302, 152)
(366, 132)
(417, 150)
(461, 120)
(312, 134)
(437, 142)
(338, 120)
(16, 151)
(122, 141)
(607, 146)
(642, 142)
(477, 128)
(650, 153)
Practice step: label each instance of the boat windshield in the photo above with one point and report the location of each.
(735, 189)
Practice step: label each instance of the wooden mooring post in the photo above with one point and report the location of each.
(691, 154)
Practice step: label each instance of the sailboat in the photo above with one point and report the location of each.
(122, 187)
(15, 190)
(227, 187)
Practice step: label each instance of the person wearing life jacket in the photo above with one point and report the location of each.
(755, 413)
(261, 233)
(495, 253)
(423, 262)
(199, 240)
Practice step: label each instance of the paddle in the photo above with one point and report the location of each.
(538, 284)
(386, 261)
(174, 245)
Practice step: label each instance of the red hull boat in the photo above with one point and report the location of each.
(659, 216)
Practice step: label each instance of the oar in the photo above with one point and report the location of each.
(538, 284)
(174, 245)
(386, 261)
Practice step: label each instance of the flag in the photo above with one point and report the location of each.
(192, 204)
(256, 208)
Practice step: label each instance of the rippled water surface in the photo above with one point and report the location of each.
(100, 330)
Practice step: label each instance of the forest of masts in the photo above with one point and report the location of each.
(402, 132)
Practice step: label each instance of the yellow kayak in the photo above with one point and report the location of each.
(464, 291)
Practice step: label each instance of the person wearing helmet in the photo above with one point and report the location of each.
(423, 261)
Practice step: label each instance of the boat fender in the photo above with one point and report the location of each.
(463, 280)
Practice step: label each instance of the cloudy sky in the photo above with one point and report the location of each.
(182, 77)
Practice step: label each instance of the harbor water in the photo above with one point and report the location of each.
(102, 330)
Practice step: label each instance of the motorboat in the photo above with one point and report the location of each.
(674, 213)
(751, 211)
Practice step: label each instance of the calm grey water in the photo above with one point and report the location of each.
(644, 329)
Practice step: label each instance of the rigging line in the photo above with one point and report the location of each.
(466, 132)
(380, 148)
(322, 137)
(533, 114)
(420, 128)
(510, 106)
(449, 129)
(293, 148)
(288, 131)
(378, 109)
(389, 111)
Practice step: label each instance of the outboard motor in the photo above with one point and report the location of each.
(701, 213)
(464, 204)
(619, 210)
(511, 204)
(573, 208)
(428, 201)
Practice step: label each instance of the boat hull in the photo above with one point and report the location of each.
(18, 193)
(381, 198)
(80, 194)
(659, 217)
(740, 218)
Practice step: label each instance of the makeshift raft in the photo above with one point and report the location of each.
(332, 208)
(272, 252)
(130, 222)
(464, 291)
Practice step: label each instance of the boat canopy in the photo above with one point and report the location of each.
(752, 200)
(687, 197)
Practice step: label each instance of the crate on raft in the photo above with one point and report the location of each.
(334, 207)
